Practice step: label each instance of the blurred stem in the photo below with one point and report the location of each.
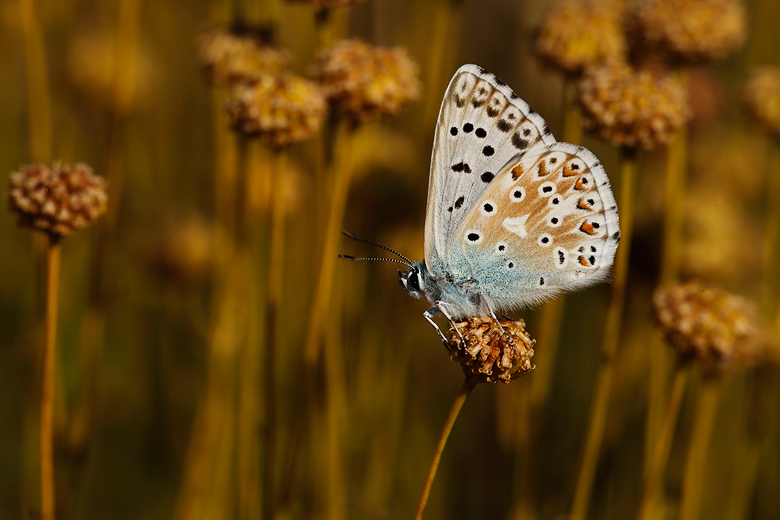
(342, 173)
(662, 447)
(463, 393)
(47, 379)
(769, 289)
(38, 96)
(572, 120)
(324, 27)
(698, 446)
(600, 404)
(273, 303)
(443, 13)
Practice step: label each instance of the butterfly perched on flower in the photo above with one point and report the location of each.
(513, 216)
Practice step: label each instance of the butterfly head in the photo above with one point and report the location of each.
(413, 280)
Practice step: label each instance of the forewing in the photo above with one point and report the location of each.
(548, 223)
(482, 125)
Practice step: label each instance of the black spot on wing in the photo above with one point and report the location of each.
(459, 202)
(461, 167)
(504, 125)
(481, 133)
(518, 142)
(487, 177)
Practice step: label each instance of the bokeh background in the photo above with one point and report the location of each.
(155, 418)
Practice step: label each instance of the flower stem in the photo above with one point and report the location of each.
(598, 410)
(38, 97)
(273, 302)
(47, 380)
(463, 393)
(698, 446)
(661, 449)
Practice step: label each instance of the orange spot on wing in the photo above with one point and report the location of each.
(517, 171)
(578, 185)
(543, 169)
(583, 261)
(587, 227)
(581, 204)
(568, 172)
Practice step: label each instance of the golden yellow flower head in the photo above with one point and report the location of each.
(57, 200)
(280, 110)
(715, 328)
(367, 82)
(762, 98)
(487, 356)
(693, 30)
(631, 108)
(231, 56)
(578, 34)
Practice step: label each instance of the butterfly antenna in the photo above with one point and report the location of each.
(359, 259)
(353, 237)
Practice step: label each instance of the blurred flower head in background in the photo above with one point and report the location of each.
(365, 81)
(762, 98)
(230, 56)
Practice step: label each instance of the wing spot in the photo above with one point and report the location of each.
(480, 132)
(592, 260)
(488, 151)
(454, 131)
(468, 127)
(541, 280)
(526, 132)
(461, 167)
(510, 265)
(487, 177)
(517, 195)
(504, 125)
(517, 171)
(556, 200)
(518, 142)
(459, 202)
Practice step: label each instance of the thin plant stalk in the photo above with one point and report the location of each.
(771, 231)
(342, 172)
(598, 411)
(273, 304)
(460, 398)
(658, 354)
(698, 447)
(661, 450)
(47, 380)
(38, 96)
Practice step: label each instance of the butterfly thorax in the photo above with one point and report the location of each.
(461, 296)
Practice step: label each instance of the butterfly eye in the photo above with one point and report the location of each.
(414, 281)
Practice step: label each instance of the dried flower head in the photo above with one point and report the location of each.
(693, 30)
(762, 98)
(631, 108)
(578, 34)
(367, 82)
(487, 356)
(57, 200)
(181, 251)
(278, 109)
(232, 56)
(718, 329)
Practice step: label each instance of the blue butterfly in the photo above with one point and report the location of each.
(513, 216)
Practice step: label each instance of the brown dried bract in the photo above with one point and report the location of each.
(710, 326)
(367, 82)
(632, 108)
(487, 356)
(57, 200)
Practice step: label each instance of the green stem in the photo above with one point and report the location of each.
(47, 380)
(598, 411)
(463, 393)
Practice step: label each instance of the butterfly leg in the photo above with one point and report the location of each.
(504, 332)
(428, 315)
(440, 306)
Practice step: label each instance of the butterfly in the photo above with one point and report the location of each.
(513, 216)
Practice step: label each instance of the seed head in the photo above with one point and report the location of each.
(367, 82)
(280, 110)
(632, 108)
(579, 34)
(715, 328)
(693, 30)
(57, 200)
(762, 98)
(231, 56)
(487, 356)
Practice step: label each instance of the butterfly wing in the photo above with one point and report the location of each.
(482, 124)
(548, 223)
